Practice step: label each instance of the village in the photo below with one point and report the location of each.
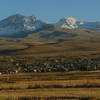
(61, 64)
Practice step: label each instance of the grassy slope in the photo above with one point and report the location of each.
(44, 43)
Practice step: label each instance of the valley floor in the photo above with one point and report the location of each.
(74, 85)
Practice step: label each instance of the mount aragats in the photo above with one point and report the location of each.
(29, 36)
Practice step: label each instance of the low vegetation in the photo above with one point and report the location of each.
(74, 85)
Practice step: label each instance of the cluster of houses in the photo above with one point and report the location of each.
(53, 65)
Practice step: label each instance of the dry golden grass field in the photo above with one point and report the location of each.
(75, 85)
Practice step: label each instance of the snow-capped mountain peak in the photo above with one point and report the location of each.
(74, 23)
(70, 22)
(20, 23)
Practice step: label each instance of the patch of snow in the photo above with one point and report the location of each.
(70, 23)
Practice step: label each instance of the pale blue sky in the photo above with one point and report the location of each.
(52, 10)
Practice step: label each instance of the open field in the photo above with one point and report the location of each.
(76, 85)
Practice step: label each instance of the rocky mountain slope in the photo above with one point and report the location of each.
(20, 23)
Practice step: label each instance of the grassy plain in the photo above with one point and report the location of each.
(74, 85)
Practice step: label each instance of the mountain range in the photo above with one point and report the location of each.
(19, 23)
(30, 36)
